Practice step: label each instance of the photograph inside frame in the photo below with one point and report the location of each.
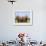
(23, 17)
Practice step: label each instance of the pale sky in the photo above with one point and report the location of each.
(23, 13)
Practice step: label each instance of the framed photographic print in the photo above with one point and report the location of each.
(23, 17)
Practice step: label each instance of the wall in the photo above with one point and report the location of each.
(9, 31)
